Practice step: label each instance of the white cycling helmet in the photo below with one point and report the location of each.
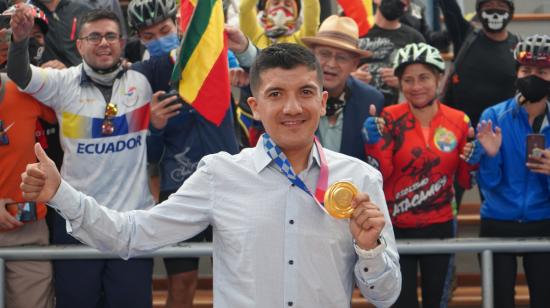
(145, 13)
(417, 53)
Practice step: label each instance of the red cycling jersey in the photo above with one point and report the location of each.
(419, 175)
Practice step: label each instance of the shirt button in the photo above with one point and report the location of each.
(371, 287)
(292, 186)
(291, 262)
(290, 304)
(291, 221)
(366, 269)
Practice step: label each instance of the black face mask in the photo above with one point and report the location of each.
(392, 9)
(533, 88)
(494, 20)
(35, 52)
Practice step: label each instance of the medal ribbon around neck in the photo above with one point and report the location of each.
(281, 160)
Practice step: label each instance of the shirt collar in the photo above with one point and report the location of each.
(262, 160)
(86, 80)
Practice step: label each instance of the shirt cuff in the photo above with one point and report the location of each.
(371, 263)
(247, 57)
(66, 201)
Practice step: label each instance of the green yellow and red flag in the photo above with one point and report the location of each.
(361, 11)
(201, 71)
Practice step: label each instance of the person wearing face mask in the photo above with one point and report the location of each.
(515, 183)
(103, 110)
(279, 21)
(154, 23)
(63, 17)
(417, 146)
(484, 70)
(386, 36)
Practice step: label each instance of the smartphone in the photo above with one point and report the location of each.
(170, 94)
(23, 211)
(535, 145)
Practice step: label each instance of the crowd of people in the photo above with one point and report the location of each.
(88, 117)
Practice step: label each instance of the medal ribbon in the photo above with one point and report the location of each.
(281, 160)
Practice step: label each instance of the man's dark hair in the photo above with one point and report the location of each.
(286, 56)
(98, 14)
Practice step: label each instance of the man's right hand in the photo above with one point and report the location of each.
(22, 22)
(373, 127)
(41, 180)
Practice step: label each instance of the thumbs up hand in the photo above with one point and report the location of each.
(41, 180)
(373, 127)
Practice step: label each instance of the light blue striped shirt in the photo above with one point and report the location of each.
(273, 246)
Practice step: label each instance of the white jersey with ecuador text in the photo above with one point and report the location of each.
(111, 168)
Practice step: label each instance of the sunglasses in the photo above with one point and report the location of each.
(108, 127)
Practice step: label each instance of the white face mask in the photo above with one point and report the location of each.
(494, 20)
(105, 79)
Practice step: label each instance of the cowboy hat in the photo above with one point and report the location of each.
(338, 32)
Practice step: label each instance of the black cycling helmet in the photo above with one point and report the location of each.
(533, 51)
(509, 2)
(145, 13)
(418, 53)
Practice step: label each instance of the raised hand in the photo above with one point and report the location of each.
(540, 164)
(41, 180)
(373, 127)
(362, 73)
(366, 223)
(472, 151)
(163, 109)
(489, 139)
(236, 40)
(22, 22)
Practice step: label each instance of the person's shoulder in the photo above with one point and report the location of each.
(501, 109)
(223, 158)
(362, 88)
(414, 35)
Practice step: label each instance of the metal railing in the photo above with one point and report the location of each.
(485, 246)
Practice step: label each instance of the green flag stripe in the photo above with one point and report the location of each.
(196, 29)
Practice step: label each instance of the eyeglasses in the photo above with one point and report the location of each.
(325, 55)
(108, 127)
(96, 38)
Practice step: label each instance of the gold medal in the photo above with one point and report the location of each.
(338, 199)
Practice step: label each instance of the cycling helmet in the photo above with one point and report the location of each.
(533, 50)
(509, 2)
(39, 16)
(417, 53)
(145, 13)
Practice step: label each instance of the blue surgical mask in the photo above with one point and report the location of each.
(162, 45)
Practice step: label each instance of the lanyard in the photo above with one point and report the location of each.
(281, 160)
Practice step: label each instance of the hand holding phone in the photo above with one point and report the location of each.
(535, 145)
(168, 95)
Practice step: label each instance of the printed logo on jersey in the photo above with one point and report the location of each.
(444, 140)
(82, 127)
(131, 91)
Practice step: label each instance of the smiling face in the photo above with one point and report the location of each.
(104, 54)
(419, 84)
(289, 102)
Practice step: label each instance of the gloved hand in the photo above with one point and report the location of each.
(373, 127)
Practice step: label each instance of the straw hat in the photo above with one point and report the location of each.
(338, 32)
